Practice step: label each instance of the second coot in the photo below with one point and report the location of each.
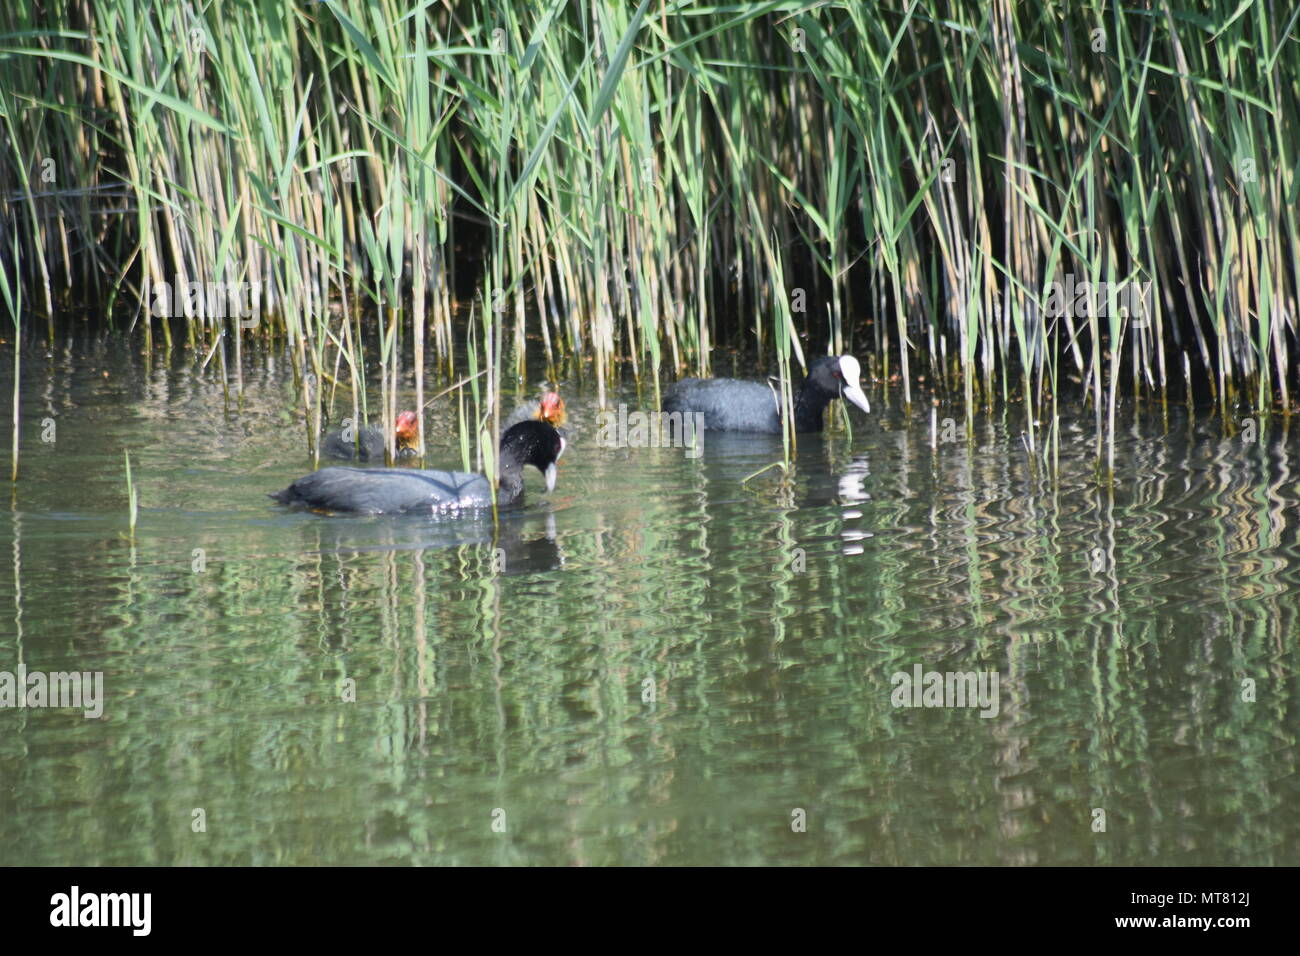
(730, 404)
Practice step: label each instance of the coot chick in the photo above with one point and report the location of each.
(730, 404)
(550, 408)
(412, 491)
(370, 446)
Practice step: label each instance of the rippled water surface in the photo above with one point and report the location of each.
(658, 663)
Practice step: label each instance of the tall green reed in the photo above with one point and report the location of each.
(631, 188)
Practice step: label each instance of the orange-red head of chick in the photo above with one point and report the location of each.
(551, 409)
(408, 429)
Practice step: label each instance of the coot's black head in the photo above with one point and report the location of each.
(533, 443)
(837, 377)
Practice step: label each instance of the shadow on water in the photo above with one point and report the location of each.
(660, 661)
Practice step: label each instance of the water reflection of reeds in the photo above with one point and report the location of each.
(1121, 617)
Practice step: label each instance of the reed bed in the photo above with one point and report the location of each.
(940, 187)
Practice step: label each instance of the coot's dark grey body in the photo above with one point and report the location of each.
(730, 404)
(412, 491)
(388, 491)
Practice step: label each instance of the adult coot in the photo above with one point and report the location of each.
(549, 408)
(730, 404)
(369, 444)
(412, 491)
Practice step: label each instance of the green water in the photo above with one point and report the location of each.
(503, 676)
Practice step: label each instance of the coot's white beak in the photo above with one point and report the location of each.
(850, 369)
(552, 470)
